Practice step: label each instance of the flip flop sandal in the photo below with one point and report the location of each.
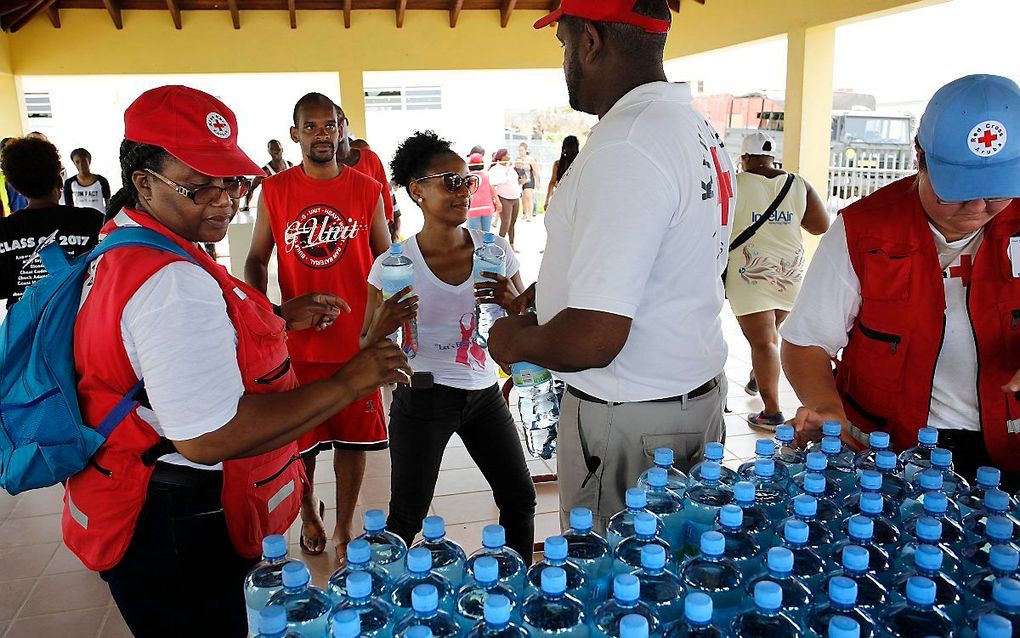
(305, 549)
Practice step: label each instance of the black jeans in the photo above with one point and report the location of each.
(181, 575)
(421, 424)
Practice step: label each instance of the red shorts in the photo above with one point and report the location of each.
(359, 426)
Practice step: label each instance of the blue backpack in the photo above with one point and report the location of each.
(43, 439)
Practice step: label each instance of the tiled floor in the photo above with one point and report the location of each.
(46, 592)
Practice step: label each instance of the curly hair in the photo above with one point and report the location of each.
(414, 156)
(32, 166)
(134, 156)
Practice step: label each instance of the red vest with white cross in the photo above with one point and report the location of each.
(886, 371)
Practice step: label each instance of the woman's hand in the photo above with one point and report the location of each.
(391, 314)
(315, 310)
(498, 291)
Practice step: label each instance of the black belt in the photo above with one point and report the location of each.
(184, 476)
(701, 390)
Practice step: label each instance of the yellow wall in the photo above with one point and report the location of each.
(10, 113)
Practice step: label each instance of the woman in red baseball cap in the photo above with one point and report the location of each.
(173, 508)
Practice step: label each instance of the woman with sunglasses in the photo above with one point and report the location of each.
(174, 505)
(463, 397)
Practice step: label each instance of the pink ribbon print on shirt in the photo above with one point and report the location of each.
(470, 353)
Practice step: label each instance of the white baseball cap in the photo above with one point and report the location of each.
(758, 143)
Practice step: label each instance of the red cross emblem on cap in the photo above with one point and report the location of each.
(218, 125)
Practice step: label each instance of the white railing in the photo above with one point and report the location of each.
(855, 173)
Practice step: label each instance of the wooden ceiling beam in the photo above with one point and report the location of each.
(455, 8)
(31, 10)
(175, 12)
(347, 13)
(401, 13)
(292, 10)
(235, 13)
(506, 12)
(114, 10)
(54, 15)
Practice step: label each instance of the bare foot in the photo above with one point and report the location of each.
(340, 542)
(313, 531)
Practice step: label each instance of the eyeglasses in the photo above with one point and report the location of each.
(234, 187)
(453, 182)
(987, 200)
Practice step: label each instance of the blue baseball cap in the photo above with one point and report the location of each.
(965, 135)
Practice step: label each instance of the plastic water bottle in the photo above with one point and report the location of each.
(487, 258)
(470, 608)
(771, 492)
(661, 589)
(872, 595)
(697, 620)
(755, 521)
(918, 458)
(764, 450)
(918, 617)
(866, 460)
(702, 502)
(605, 622)
(346, 624)
(359, 559)
(419, 572)
(627, 555)
(552, 612)
(860, 530)
(307, 607)
(675, 479)
(715, 574)
(935, 505)
(786, 452)
(767, 619)
(426, 612)
(941, 461)
(870, 482)
(448, 558)
(844, 627)
(797, 597)
(805, 508)
(556, 556)
(621, 524)
(816, 464)
(998, 531)
(996, 503)
(827, 510)
(994, 626)
(928, 531)
(886, 533)
(497, 620)
(948, 593)
(388, 549)
(512, 570)
(839, 462)
(590, 552)
(833, 429)
(633, 626)
(669, 507)
(894, 486)
(1003, 562)
(1005, 603)
(397, 274)
(973, 498)
(842, 601)
(713, 452)
(265, 579)
(272, 623)
(539, 408)
(808, 565)
(376, 615)
(741, 547)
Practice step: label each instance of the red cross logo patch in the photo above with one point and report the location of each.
(218, 125)
(987, 138)
(963, 270)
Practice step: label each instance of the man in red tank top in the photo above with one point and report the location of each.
(327, 224)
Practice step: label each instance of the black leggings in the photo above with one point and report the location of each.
(421, 424)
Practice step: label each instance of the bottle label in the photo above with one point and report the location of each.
(528, 374)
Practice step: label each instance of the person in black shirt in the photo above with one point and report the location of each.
(86, 189)
(32, 167)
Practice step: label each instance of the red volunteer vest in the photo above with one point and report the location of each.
(887, 369)
(261, 495)
(322, 232)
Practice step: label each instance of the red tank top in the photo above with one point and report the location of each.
(322, 230)
(370, 164)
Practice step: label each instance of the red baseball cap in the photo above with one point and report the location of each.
(476, 158)
(191, 125)
(621, 11)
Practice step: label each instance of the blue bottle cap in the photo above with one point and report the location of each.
(711, 471)
(713, 544)
(928, 436)
(581, 517)
(663, 456)
(999, 528)
(653, 556)
(935, 502)
(626, 588)
(855, 558)
(346, 624)
(921, 590)
(656, 478)
(785, 433)
(931, 480)
(780, 560)
(424, 598)
(878, 440)
(744, 492)
(885, 460)
(1006, 592)
(996, 500)
(988, 476)
(375, 520)
(1004, 558)
(861, 527)
(433, 527)
(555, 548)
(698, 608)
(816, 461)
(494, 536)
(645, 524)
(554, 580)
(636, 498)
(359, 584)
(928, 557)
(419, 560)
(832, 428)
(765, 447)
(396, 249)
(359, 552)
(295, 575)
(768, 595)
(488, 238)
(714, 452)
(941, 457)
(994, 626)
(272, 620)
(814, 483)
(929, 529)
(764, 468)
(486, 570)
(633, 626)
(871, 503)
(844, 627)
(418, 631)
(831, 445)
(274, 547)
(805, 505)
(497, 609)
(842, 590)
(795, 532)
(871, 480)
(731, 516)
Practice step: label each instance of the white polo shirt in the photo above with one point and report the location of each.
(636, 228)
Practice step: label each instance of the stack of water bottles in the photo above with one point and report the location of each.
(817, 543)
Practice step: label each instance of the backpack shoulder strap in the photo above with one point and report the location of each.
(764, 218)
(138, 236)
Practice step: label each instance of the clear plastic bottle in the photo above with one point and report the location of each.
(669, 507)
(918, 617)
(448, 558)
(388, 549)
(886, 533)
(555, 555)
(590, 552)
(948, 593)
(397, 274)
(994, 626)
(941, 461)
(779, 569)
(936, 505)
(871, 594)
(346, 624)
(675, 479)
(741, 547)
(359, 559)
(860, 530)
(755, 521)
(426, 612)
(844, 627)
(996, 503)
(471, 598)
(1005, 603)
(377, 615)
(419, 572)
(816, 464)
(1003, 562)
(870, 482)
(786, 452)
(633, 626)
(973, 498)
(839, 463)
(834, 430)
(808, 565)
(998, 531)
(715, 574)
(928, 531)
(877, 442)
(539, 407)
(621, 524)
(552, 612)
(265, 579)
(805, 508)
(771, 492)
(894, 486)
(713, 452)
(272, 623)
(842, 601)
(661, 589)
(764, 450)
(512, 570)
(307, 607)
(487, 258)
(497, 621)
(702, 503)
(697, 620)
(627, 555)
(918, 458)
(768, 618)
(605, 622)
(826, 509)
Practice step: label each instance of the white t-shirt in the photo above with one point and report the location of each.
(635, 229)
(446, 321)
(830, 299)
(178, 337)
(504, 180)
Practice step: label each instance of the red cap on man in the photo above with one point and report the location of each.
(621, 11)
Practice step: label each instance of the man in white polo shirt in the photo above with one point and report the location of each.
(629, 294)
